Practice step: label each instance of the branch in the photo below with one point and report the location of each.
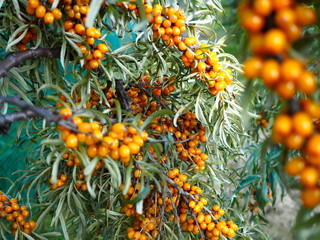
(125, 100)
(27, 112)
(16, 58)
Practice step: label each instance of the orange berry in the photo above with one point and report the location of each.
(41, 11)
(307, 82)
(92, 151)
(103, 48)
(305, 15)
(80, 29)
(309, 176)
(275, 41)
(295, 166)
(252, 67)
(283, 125)
(262, 7)
(49, 18)
(57, 13)
(270, 72)
(311, 197)
(302, 124)
(72, 141)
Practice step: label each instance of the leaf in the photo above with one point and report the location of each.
(95, 6)
(63, 53)
(13, 40)
(64, 227)
(16, 75)
(128, 178)
(142, 195)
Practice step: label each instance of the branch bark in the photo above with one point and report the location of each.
(16, 58)
(27, 112)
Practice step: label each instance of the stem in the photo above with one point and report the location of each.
(27, 112)
(16, 58)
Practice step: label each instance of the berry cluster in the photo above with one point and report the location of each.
(187, 135)
(273, 27)
(30, 36)
(299, 130)
(76, 18)
(262, 121)
(11, 211)
(42, 11)
(60, 182)
(307, 169)
(292, 129)
(169, 24)
(193, 215)
(120, 142)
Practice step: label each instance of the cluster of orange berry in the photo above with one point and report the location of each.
(11, 211)
(299, 130)
(119, 143)
(262, 121)
(193, 216)
(308, 170)
(200, 217)
(41, 11)
(187, 135)
(292, 129)
(79, 11)
(273, 26)
(31, 35)
(168, 24)
(254, 204)
(60, 182)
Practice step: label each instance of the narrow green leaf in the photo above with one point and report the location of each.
(95, 6)
(142, 195)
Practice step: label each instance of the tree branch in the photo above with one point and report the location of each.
(16, 58)
(125, 100)
(27, 112)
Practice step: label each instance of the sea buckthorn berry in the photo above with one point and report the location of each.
(307, 82)
(302, 124)
(92, 151)
(41, 11)
(65, 113)
(33, 3)
(48, 18)
(305, 15)
(295, 166)
(68, 25)
(72, 141)
(275, 41)
(283, 125)
(270, 72)
(309, 176)
(291, 70)
(80, 29)
(285, 17)
(252, 67)
(313, 145)
(262, 7)
(118, 128)
(252, 21)
(103, 48)
(57, 13)
(311, 197)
